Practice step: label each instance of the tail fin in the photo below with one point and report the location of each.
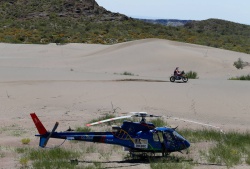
(41, 129)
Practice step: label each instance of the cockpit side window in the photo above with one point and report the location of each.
(158, 136)
(155, 137)
(168, 136)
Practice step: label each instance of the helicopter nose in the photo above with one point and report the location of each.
(187, 144)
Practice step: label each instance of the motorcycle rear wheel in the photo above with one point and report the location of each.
(172, 79)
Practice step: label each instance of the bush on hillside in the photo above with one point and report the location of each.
(238, 64)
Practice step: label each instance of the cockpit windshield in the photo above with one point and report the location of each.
(177, 135)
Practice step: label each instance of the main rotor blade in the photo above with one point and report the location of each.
(196, 122)
(107, 120)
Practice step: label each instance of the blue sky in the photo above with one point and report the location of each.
(231, 10)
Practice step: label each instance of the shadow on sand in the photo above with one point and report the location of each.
(146, 80)
(136, 162)
(140, 80)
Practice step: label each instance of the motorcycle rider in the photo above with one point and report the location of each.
(177, 72)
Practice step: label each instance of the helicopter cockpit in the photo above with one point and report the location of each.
(178, 136)
(170, 138)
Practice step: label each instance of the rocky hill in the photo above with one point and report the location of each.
(84, 21)
(30, 9)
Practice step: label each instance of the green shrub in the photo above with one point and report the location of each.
(192, 75)
(1, 153)
(247, 77)
(24, 162)
(238, 64)
(127, 73)
(25, 140)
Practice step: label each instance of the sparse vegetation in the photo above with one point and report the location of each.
(171, 162)
(229, 147)
(1, 152)
(83, 129)
(158, 122)
(126, 73)
(91, 149)
(24, 162)
(106, 116)
(2, 155)
(247, 77)
(21, 150)
(248, 158)
(48, 158)
(192, 75)
(201, 135)
(13, 130)
(224, 154)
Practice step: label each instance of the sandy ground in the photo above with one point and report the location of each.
(75, 83)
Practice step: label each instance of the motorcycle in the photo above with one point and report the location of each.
(182, 77)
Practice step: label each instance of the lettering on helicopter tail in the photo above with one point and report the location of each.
(70, 138)
(140, 143)
(87, 137)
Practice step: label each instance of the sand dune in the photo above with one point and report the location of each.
(78, 71)
(75, 82)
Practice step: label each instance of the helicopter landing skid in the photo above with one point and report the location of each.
(145, 155)
(141, 155)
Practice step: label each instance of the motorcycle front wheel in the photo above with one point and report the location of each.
(185, 79)
(172, 79)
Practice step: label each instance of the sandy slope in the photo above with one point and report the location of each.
(76, 82)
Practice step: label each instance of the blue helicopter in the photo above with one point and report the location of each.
(135, 137)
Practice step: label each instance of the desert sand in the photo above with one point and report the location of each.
(75, 83)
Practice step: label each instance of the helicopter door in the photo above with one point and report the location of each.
(169, 141)
(161, 140)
